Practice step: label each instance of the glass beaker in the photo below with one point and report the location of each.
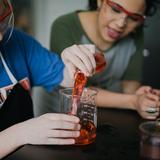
(150, 140)
(86, 111)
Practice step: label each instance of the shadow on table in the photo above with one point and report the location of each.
(112, 145)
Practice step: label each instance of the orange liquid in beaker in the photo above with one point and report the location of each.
(88, 129)
(87, 134)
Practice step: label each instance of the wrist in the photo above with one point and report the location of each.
(133, 101)
(10, 141)
(18, 136)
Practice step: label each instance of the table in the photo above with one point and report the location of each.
(117, 139)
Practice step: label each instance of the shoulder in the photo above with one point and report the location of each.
(24, 40)
(24, 44)
(20, 38)
(67, 19)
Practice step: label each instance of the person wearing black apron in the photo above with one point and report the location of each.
(18, 105)
(25, 63)
(18, 57)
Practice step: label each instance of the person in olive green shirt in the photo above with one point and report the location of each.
(116, 29)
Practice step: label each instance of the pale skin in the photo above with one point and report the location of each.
(97, 23)
(48, 129)
(140, 101)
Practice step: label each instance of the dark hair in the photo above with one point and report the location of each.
(92, 5)
(152, 6)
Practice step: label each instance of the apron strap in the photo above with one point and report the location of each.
(12, 78)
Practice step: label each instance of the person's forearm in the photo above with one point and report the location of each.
(9, 141)
(115, 100)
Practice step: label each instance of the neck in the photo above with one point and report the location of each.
(89, 21)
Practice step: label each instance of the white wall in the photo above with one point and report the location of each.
(45, 12)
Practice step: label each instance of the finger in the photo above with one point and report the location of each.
(63, 134)
(144, 89)
(156, 92)
(69, 55)
(82, 54)
(147, 103)
(88, 62)
(147, 89)
(91, 53)
(152, 97)
(62, 117)
(59, 141)
(150, 116)
(64, 125)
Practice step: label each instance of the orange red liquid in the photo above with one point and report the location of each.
(100, 61)
(87, 134)
(79, 84)
(88, 129)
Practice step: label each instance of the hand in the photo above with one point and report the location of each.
(79, 57)
(147, 105)
(147, 89)
(143, 90)
(49, 128)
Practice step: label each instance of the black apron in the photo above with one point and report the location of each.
(18, 106)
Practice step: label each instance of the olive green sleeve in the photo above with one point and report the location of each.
(65, 31)
(134, 69)
(60, 37)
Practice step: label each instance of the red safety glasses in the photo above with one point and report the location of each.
(5, 9)
(119, 9)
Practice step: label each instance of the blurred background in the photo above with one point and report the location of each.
(36, 16)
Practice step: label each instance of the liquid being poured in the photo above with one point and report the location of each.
(100, 61)
(81, 80)
(88, 129)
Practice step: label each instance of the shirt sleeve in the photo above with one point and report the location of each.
(65, 31)
(134, 69)
(45, 67)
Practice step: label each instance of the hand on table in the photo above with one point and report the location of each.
(50, 129)
(148, 102)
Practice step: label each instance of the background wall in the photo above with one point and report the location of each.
(151, 74)
(45, 12)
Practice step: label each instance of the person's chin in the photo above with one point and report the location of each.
(110, 39)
